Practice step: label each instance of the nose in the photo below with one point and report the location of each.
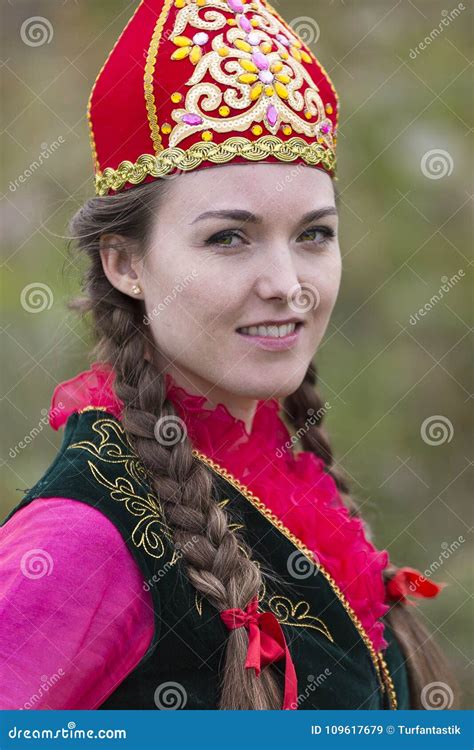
(278, 275)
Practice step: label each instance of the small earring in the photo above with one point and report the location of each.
(136, 289)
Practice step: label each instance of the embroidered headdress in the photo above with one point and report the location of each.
(196, 83)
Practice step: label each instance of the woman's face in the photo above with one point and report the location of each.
(231, 247)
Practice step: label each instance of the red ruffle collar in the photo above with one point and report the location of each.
(295, 487)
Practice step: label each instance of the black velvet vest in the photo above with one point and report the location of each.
(336, 665)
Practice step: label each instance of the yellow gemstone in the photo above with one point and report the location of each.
(244, 46)
(196, 54)
(176, 97)
(166, 128)
(284, 55)
(283, 78)
(180, 3)
(249, 66)
(298, 43)
(248, 78)
(256, 91)
(255, 22)
(232, 22)
(182, 41)
(287, 130)
(201, 2)
(296, 54)
(224, 110)
(276, 67)
(329, 109)
(281, 90)
(308, 115)
(320, 140)
(305, 57)
(207, 136)
(257, 130)
(266, 47)
(269, 90)
(223, 51)
(181, 53)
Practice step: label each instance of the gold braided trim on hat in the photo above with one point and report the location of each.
(171, 159)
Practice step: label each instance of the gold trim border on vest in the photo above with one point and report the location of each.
(380, 665)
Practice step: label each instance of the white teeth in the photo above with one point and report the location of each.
(270, 331)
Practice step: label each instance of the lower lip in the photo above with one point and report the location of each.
(274, 344)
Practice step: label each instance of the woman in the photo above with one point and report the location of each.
(247, 578)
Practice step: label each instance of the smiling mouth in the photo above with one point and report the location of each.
(273, 332)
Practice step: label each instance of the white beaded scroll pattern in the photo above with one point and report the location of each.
(237, 94)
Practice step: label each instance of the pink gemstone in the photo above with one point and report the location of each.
(283, 40)
(325, 127)
(260, 60)
(235, 5)
(192, 119)
(245, 24)
(265, 76)
(272, 114)
(253, 38)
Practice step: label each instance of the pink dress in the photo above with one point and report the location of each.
(73, 629)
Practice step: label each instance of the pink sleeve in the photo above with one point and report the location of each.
(75, 620)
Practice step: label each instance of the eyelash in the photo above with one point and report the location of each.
(328, 233)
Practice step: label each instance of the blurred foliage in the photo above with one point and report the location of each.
(401, 233)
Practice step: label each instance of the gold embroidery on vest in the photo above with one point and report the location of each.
(289, 613)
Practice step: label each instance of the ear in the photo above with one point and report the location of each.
(120, 265)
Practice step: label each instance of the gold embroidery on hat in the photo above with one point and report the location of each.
(217, 153)
(148, 77)
(240, 86)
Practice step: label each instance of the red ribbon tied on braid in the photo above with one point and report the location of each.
(266, 644)
(410, 581)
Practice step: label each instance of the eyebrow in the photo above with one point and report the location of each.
(249, 217)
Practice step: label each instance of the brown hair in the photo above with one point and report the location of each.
(219, 564)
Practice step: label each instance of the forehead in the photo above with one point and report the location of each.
(267, 189)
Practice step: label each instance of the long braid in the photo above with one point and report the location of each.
(217, 560)
(425, 661)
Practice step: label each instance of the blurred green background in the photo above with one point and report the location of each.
(398, 385)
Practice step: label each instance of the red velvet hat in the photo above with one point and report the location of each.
(196, 83)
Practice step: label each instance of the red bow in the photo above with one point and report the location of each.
(410, 581)
(266, 644)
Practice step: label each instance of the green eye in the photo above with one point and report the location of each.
(327, 232)
(223, 239)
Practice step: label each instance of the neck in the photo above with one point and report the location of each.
(241, 407)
